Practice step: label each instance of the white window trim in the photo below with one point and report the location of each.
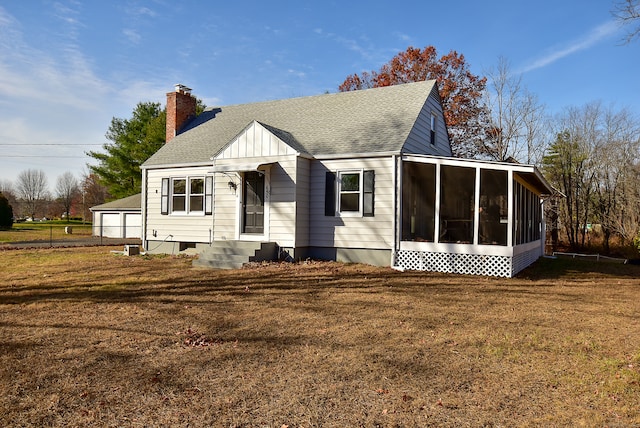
(187, 195)
(339, 175)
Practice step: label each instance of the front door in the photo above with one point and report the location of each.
(253, 203)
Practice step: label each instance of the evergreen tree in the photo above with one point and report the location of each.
(133, 141)
(6, 213)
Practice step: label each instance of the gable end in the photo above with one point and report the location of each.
(256, 140)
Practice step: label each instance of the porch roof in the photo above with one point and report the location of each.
(235, 167)
(130, 203)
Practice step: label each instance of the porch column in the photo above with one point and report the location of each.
(397, 209)
(476, 209)
(436, 228)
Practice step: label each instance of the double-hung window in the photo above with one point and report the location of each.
(349, 185)
(349, 193)
(187, 195)
(179, 195)
(196, 195)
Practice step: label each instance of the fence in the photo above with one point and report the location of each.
(60, 235)
(596, 257)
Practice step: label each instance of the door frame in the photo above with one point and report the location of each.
(263, 237)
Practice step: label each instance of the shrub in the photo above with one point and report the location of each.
(6, 213)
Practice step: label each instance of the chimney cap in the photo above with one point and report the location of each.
(182, 88)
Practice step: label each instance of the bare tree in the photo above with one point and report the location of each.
(569, 165)
(535, 129)
(93, 193)
(628, 220)
(516, 118)
(67, 189)
(594, 162)
(31, 187)
(616, 201)
(627, 12)
(611, 162)
(6, 186)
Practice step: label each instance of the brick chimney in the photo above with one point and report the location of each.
(181, 107)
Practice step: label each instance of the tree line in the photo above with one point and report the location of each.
(29, 197)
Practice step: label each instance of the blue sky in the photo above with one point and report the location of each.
(67, 67)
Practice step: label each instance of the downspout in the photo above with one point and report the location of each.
(143, 208)
(213, 204)
(543, 227)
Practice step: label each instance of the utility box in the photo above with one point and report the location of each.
(131, 250)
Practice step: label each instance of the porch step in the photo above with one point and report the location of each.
(234, 254)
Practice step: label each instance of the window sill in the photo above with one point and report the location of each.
(186, 214)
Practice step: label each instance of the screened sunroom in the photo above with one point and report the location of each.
(469, 217)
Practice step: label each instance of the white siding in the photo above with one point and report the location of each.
(303, 201)
(419, 139)
(353, 232)
(184, 228)
(226, 202)
(255, 141)
(282, 202)
(224, 224)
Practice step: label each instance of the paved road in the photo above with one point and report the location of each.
(72, 242)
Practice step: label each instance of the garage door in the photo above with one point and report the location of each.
(132, 223)
(111, 225)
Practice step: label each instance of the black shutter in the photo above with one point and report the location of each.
(368, 198)
(330, 195)
(164, 198)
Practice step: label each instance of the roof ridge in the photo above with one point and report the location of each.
(327, 94)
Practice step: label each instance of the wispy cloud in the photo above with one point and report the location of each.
(403, 37)
(137, 19)
(296, 73)
(52, 93)
(585, 42)
(143, 11)
(132, 35)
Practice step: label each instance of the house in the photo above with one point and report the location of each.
(364, 176)
(121, 218)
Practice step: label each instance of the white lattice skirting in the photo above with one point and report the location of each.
(466, 264)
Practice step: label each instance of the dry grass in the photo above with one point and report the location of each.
(91, 338)
(43, 232)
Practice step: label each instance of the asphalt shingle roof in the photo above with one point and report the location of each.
(366, 121)
(133, 202)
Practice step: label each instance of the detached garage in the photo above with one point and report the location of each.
(118, 219)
